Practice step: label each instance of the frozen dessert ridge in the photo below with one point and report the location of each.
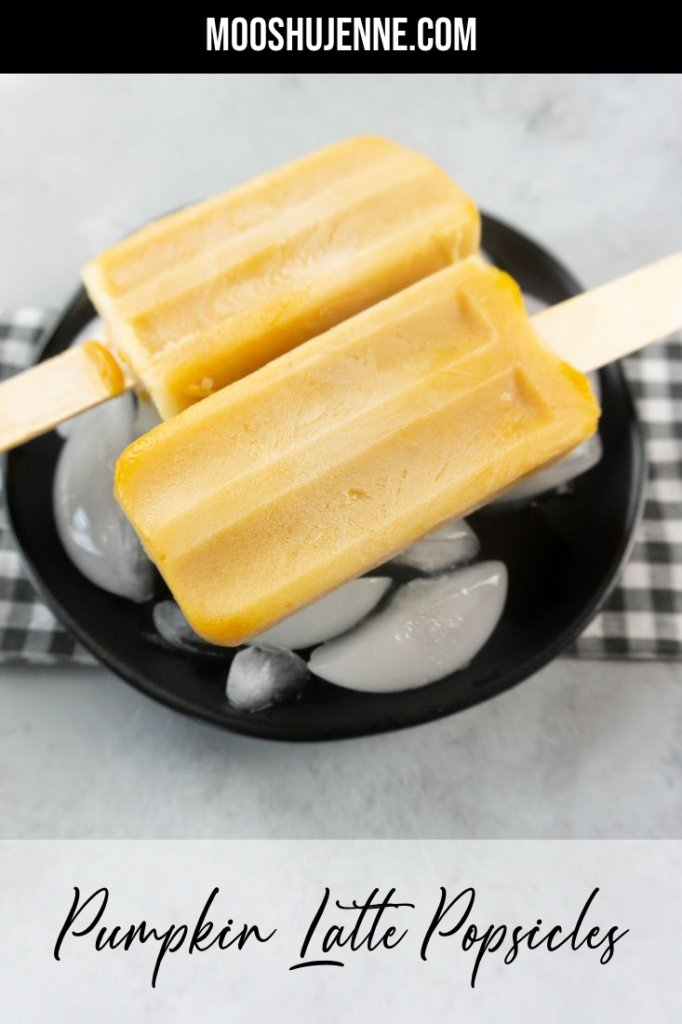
(335, 457)
(202, 297)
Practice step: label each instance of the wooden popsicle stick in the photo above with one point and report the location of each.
(615, 319)
(41, 398)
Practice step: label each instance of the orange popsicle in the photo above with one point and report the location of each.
(336, 456)
(205, 296)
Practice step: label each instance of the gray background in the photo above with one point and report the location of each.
(591, 165)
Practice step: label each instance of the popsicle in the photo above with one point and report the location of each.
(211, 293)
(204, 296)
(338, 455)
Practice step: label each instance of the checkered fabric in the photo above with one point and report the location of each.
(642, 618)
(29, 632)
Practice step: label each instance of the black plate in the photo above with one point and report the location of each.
(563, 556)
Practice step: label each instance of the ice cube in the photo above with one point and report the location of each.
(93, 331)
(262, 676)
(146, 417)
(577, 462)
(328, 617)
(595, 383)
(173, 627)
(533, 304)
(453, 544)
(430, 628)
(95, 533)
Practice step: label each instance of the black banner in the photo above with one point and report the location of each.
(422, 41)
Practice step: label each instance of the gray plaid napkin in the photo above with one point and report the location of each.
(29, 632)
(642, 618)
